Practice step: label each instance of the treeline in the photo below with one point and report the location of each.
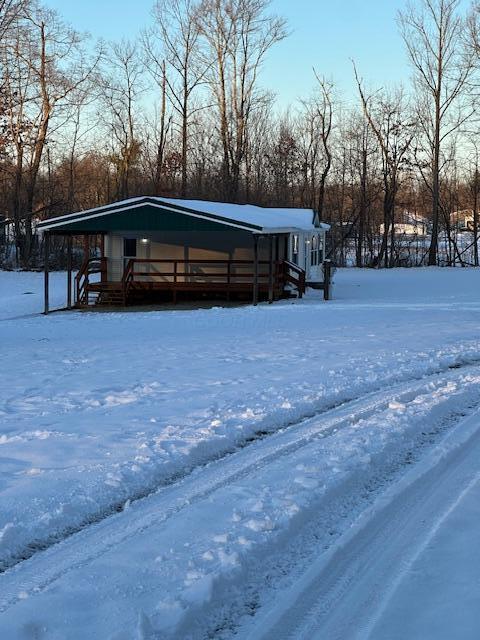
(183, 111)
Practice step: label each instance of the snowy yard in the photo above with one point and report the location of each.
(115, 430)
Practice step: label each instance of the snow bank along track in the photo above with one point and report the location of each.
(35, 574)
(363, 404)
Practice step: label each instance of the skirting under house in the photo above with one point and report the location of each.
(154, 249)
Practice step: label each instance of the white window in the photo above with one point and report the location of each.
(314, 251)
(295, 249)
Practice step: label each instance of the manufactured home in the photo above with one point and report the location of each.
(155, 248)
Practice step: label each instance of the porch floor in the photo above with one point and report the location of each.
(165, 294)
(167, 305)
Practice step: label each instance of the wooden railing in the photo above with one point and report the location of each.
(195, 270)
(89, 267)
(127, 279)
(228, 274)
(295, 275)
(221, 275)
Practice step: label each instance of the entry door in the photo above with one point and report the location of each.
(129, 250)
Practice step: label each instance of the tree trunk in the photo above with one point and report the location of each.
(475, 218)
(363, 210)
(433, 250)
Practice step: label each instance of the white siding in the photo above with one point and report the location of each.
(114, 253)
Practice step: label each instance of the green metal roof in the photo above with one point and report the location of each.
(141, 214)
(151, 213)
(144, 218)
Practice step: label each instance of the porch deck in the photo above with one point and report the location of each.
(147, 281)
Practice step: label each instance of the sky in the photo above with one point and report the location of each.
(326, 34)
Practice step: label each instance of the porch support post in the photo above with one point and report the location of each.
(104, 268)
(69, 272)
(86, 247)
(255, 270)
(278, 267)
(327, 278)
(270, 269)
(46, 249)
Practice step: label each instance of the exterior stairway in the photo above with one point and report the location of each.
(111, 294)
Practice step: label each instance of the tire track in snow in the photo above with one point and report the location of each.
(42, 569)
(344, 593)
(376, 397)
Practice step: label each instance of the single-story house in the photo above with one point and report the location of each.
(409, 225)
(154, 246)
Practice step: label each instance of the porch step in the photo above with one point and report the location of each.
(110, 294)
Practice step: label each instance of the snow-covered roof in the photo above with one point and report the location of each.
(246, 216)
(264, 217)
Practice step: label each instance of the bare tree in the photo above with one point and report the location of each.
(238, 35)
(283, 162)
(9, 11)
(44, 64)
(362, 151)
(155, 138)
(394, 129)
(174, 41)
(122, 87)
(355, 190)
(317, 129)
(433, 33)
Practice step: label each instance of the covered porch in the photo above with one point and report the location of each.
(150, 280)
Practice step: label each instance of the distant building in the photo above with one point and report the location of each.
(409, 225)
(7, 229)
(462, 220)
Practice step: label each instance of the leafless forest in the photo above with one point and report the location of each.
(184, 110)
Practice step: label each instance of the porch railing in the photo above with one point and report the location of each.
(176, 271)
(90, 267)
(295, 275)
(228, 274)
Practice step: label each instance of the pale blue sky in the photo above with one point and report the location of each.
(325, 33)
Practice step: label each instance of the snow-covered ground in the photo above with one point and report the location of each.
(179, 457)
(21, 293)
(443, 579)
